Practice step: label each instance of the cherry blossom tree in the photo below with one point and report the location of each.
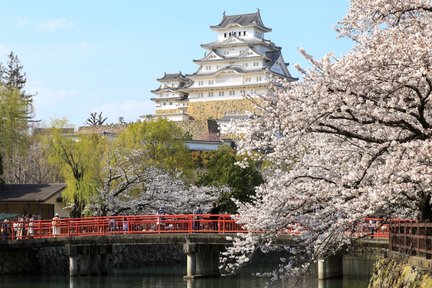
(353, 137)
(130, 188)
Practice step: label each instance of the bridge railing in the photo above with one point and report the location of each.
(373, 227)
(111, 225)
(412, 238)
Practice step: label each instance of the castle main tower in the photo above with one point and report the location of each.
(236, 64)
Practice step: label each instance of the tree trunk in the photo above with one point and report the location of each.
(425, 208)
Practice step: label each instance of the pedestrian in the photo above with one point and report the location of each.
(214, 211)
(6, 229)
(56, 225)
(112, 225)
(19, 226)
(196, 222)
(125, 225)
(30, 231)
(160, 220)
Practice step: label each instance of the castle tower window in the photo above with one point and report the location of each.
(258, 79)
(210, 94)
(232, 93)
(244, 33)
(230, 34)
(221, 93)
(225, 35)
(234, 33)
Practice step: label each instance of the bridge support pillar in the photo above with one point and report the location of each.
(191, 265)
(331, 267)
(103, 264)
(84, 265)
(202, 260)
(93, 259)
(73, 265)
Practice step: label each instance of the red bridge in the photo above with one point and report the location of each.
(111, 225)
(203, 237)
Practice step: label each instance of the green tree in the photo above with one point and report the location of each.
(160, 142)
(13, 76)
(1, 170)
(14, 117)
(79, 159)
(221, 170)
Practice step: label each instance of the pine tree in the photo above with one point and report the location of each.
(14, 77)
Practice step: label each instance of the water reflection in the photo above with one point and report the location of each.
(170, 276)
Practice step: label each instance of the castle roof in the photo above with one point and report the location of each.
(252, 19)
(239, 42)
(171, 77)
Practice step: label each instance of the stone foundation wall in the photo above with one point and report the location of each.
(218, 108)
(389, 273)
(54, 259)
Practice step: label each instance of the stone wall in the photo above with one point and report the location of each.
(218, 108)
(389, 273)
(54, 259)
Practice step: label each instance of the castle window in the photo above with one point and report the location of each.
(210, 94)
(247, 79)
(210, 82)
(245, 64)
(258, 79)
(226, 52)
(221, 93)
(234, 33)
(244, 33)
(232, 92)
(225, 35)
(201, 94)
(170, 103)
(230, 34)
(208, 68)
(200, 83)
(256, 64)
(164, 103)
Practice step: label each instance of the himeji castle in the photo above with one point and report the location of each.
(237, 64)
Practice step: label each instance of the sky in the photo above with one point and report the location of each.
(86, 56)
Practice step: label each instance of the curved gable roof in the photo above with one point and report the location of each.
(252, 19)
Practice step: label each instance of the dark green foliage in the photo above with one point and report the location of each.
(1, 170)
(222, 171)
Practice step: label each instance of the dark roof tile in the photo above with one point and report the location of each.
(242, 20)
(29, 192)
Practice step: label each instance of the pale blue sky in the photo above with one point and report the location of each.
(91, 56)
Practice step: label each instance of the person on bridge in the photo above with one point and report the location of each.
(160, 221)
(6, 229)
(196, 224)
(30, 231)
(214, 211)
(125, 225)
(56, 225)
